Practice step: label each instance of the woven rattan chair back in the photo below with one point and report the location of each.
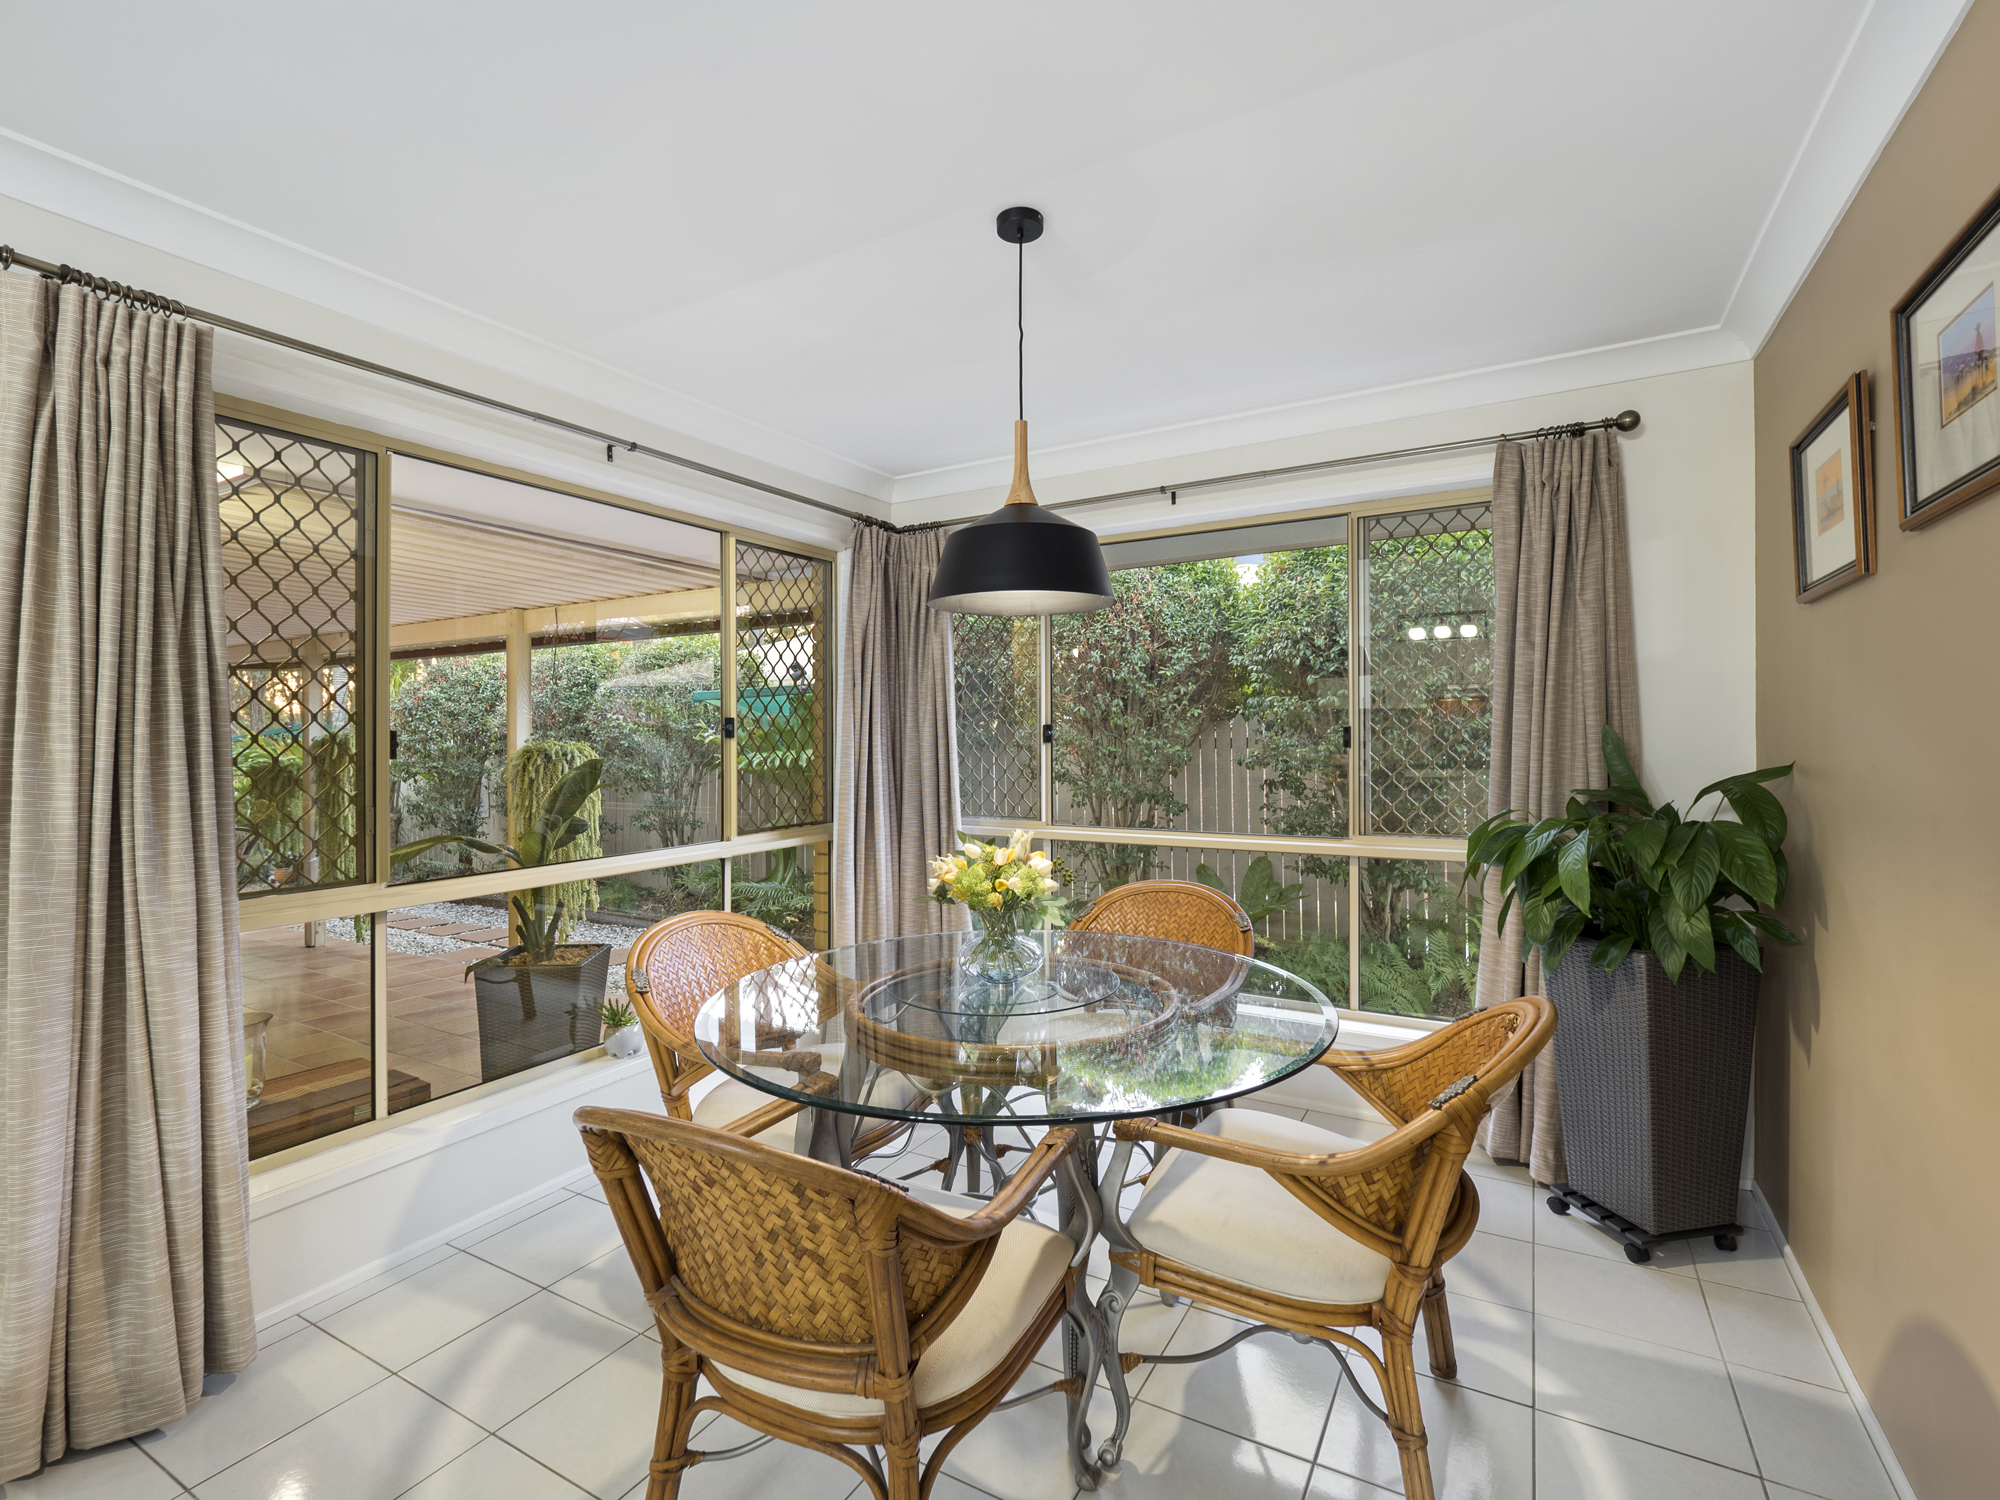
(1436, 1093)
(1180, 911)
(795, 1271)
(685, 960)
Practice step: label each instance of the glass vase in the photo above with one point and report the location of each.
(999, 950)
(255, 1024)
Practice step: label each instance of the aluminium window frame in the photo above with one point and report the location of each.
(1355, 846)
(378, 894)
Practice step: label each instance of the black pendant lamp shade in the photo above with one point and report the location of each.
(1022, 559)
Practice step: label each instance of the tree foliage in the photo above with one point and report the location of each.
(449, 714)
(1136, 685)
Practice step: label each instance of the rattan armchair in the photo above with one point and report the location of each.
(831, 1309)
(1181, 911)
(1306, 1232)
(674, 967)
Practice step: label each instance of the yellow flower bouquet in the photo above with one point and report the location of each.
(1007, 888)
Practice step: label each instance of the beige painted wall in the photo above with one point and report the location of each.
(1877, 1099)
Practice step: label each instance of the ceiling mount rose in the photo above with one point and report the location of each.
(1019, 226)
(1022, 559)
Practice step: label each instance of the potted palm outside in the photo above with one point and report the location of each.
(533, 996)
(1650, 926)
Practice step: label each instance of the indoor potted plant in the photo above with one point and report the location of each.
(1650, 928)
(622, 1037)
(532, 995)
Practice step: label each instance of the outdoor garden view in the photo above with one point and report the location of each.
(1214, 696)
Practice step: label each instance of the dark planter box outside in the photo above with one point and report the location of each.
(530, 1014)
(1655, 1085)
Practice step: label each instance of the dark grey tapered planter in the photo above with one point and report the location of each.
(1655, 1085)
(530, 1014)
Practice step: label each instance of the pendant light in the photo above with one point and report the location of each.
(1022, 559)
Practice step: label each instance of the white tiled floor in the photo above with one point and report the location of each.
(518, 1364)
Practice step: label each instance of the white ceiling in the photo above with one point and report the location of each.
(779, 217)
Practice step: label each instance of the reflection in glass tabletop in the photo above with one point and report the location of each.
(1103, 1026)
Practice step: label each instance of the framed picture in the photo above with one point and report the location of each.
(1833, 494)
(1947, 388)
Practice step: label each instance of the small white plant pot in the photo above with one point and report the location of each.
(624, 1042)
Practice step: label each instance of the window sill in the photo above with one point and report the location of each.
(282, 1184)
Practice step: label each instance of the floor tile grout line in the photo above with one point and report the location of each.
(537, 1462)
(388, 1374)
(1734, 1394)
(1649, 1443)
(1714, 1359)
(1325, 1426)
(186, 1488)
(565, 1386)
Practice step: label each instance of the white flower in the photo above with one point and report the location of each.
(1040, 864)
(970, 851)
(1020, 842)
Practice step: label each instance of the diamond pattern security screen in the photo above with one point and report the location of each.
(1429, 592)
(294, 538)
(781, 720)
(996, 673)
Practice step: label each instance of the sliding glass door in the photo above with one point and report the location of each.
(420, 650)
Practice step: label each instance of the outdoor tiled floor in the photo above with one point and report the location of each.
(519, 1362)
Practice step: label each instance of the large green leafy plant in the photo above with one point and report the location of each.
(560, 823)
(1636, 877)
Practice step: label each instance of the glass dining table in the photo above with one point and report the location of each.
(1084, 1029)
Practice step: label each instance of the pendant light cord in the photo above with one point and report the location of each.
(1020, 329)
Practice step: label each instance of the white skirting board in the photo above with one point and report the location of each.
(331, 1221)
(1875, 1433)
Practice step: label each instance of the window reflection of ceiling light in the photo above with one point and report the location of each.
(1416, 632)
(1468, 630)
(1442, 632)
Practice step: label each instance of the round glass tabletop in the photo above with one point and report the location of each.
(1096, 1026)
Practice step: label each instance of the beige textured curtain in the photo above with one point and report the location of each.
(123, 1174)
(1564, 666)
(896, 798)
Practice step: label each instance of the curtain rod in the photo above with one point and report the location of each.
(152, 302)
(1625, 421)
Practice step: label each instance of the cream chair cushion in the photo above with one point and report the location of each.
(1026, 1269)
(1242, 1224)
(730, 1099)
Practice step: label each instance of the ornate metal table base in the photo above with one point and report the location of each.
(828, 1135)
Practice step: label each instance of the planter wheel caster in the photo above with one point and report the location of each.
(1638, 1254)
(1558, 1204)
(1725, 1242)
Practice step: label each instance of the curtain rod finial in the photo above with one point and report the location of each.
(1626, 420)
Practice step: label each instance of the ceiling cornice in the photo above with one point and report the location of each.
(1889, 59)
(73, 188)
(944, 493)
